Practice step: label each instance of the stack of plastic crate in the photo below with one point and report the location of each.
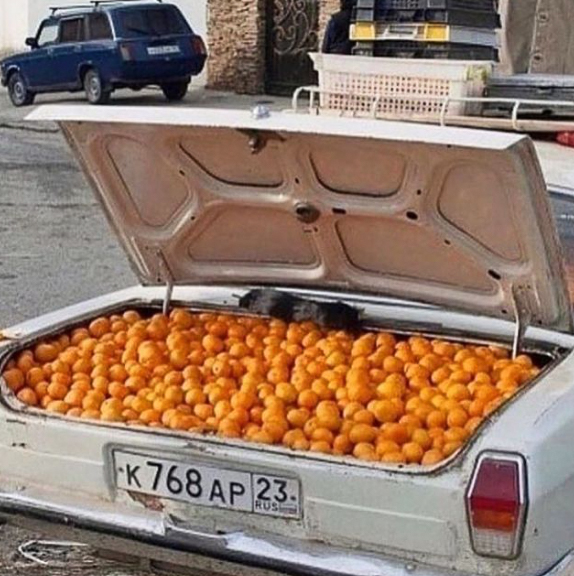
(430, 29)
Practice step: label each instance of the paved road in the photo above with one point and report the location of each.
(57, 249)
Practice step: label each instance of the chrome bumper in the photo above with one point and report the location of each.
(139, 536)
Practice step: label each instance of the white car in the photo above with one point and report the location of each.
(441, 231)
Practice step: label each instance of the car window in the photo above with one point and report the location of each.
(48, 34)
(99, 27)
(563, 206)
(72, 30)
(161, 21)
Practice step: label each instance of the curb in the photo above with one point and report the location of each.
(39, 127)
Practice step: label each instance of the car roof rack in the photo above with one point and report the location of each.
(97, 3)
(55, 9)
(94, 3)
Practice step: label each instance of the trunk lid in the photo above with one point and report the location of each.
(447, 216)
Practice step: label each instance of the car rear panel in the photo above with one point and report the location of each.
(163, 56)
(414, 515)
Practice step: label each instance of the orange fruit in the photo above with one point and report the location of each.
(15, 379)
(386, 446)
(386, 411)
(432, 457)
(451, 447)
(457, 418)
(118, 390)
(362, 433)
(28, 396)
(342, 444)
(57, 390)
(436, 419)
(422, 438)
(34, 376)
(57, 407)
(307, 399)
(458, 392)
(396, 433)
(323, 434)
(413, 452)
(394, 458)
(45, 353)
(75, 398)
(365, 451)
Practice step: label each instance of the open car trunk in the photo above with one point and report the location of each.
(375, 227)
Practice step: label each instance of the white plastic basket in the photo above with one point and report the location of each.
(354, 81)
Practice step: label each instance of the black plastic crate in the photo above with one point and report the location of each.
(485, 5)
(425, 50)
(531, 87)
(468, 18)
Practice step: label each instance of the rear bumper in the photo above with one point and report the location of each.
(154, 72)
(106, 527)
(159, 545)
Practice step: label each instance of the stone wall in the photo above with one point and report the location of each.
(236, 36)
(237, 42)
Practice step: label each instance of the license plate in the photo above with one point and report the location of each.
(203, 485)
(161, 50)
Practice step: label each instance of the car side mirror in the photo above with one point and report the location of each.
(32, 42)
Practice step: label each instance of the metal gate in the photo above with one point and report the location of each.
(292, 32)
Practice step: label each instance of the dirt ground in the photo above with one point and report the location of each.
(60, 560)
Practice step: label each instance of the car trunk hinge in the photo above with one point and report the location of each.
(522, 318)
(165, 276)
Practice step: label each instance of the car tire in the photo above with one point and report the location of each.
(18, 91)
(175, 91)
(96, 93)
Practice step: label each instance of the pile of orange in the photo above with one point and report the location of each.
(375, 396)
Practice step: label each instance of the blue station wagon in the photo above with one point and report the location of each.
(105, 46)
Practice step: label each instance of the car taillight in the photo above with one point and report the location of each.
(496, 505)
(126, 52)
(198, 45)
(566, 139)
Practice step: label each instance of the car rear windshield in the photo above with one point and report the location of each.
(160, 21)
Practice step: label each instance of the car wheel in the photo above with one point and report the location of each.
(94, 88)
(18, 91)
(174, 91)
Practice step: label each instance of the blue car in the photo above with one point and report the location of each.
(104, 46)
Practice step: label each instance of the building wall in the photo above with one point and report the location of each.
(13, 24)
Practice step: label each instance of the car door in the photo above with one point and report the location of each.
(36, 67)
(66, 54)
(99, 49)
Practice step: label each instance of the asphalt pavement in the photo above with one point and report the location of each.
(56, 249)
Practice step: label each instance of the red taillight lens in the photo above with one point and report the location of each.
(198, 45)
(126, 52)
(496, 503)
(566, 139)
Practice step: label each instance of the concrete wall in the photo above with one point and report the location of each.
(13, 24)
(20, 18)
